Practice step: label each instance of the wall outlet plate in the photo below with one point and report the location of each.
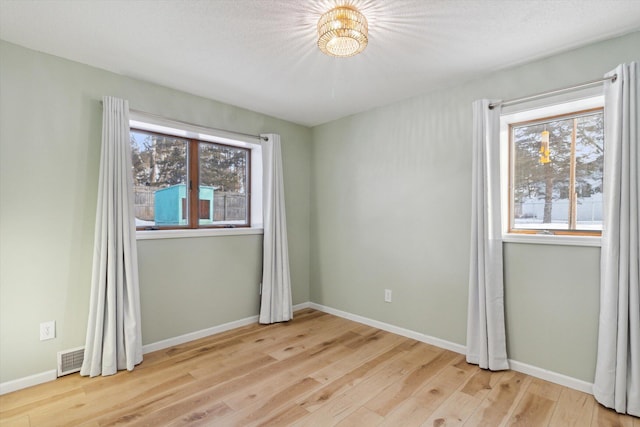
(387, 295)
(47, 330)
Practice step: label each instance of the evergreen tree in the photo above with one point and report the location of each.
(223, 168)
(550, 181)
(158, 161)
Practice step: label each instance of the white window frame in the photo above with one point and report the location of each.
(153, 123)
(579, 101)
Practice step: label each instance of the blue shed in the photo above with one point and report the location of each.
(170, 205)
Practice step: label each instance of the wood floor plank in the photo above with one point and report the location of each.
(279, 334)
(317, 370)
(146, 404)
(605, 417)
(501, 401)
(201, 410)
(545, 389)
(99, 387)
(361, 328)
(416, 409)
(367, 350)
(361, 417)
(262, 391)
(19, 421)
(481, 383)
(60, 412)
(34, 396)
(35, 401)
(102, 404)
(212, 389)
(265, 409)
(355, 393)
(336, 387)
(286, 417)
(204, 415)
(574, 409)
(371, 337)
(454, 411)
(233, 366)
(302, 341)
(533, 410)
(392, 396)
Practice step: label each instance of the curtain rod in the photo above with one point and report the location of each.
(157, 116)
(552, 92)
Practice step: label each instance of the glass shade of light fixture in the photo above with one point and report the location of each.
(342, 32)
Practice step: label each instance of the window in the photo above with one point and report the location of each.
(554, 158)
(183, 182)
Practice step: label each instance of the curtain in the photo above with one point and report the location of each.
(486, 343)
(617, 378)
(276, 305)
(114, 338)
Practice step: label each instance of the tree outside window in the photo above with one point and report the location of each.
(556, 173)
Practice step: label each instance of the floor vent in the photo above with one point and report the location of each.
(70, 361)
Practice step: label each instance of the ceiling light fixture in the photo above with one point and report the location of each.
(342, 32)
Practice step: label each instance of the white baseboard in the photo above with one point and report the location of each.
(192, 336)
(457, 348)
(534, 371)
(301, 306)
(31, 380)
(554, 377)
(43, 377)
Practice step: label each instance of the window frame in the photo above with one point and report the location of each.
(192, 162)
(150, 123)
(532, 112)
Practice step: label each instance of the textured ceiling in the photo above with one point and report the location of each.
(262, 54)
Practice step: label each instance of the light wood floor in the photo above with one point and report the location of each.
(318, 370)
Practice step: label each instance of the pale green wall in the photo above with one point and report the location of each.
(391, 192)
(389, 208)
(50, 127)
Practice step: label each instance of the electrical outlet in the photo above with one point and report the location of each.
(387, 295)
(47, 330)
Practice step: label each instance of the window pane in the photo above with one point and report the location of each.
(223, 185)
(589, 168)
(548, 193)
(159, 179)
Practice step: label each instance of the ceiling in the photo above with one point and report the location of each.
(262, 54)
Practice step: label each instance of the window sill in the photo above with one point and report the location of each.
(203, 232)
(544, 239)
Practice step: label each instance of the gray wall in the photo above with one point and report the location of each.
(49, 156)
(391, 209)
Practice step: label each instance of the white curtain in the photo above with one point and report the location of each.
(114, 338)
(617, 378)
(486, 343)
(276, 305)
